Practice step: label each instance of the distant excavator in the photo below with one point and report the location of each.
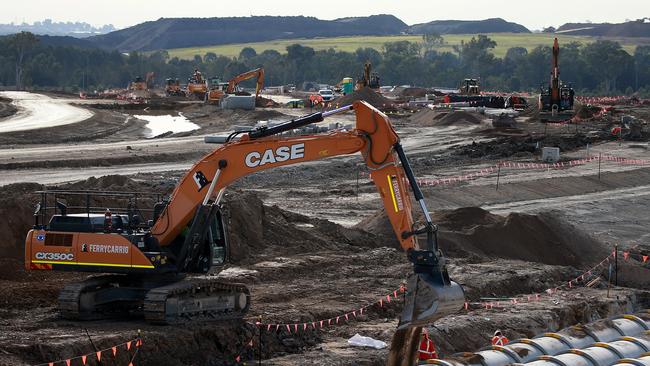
(556, 102)
(368, 79)
(219, 89)
(146, 264)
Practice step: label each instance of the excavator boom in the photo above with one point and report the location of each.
(188, 234)
(431, 294)
(258, 73)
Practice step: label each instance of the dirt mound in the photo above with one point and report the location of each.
(16, 209)
(6, 108)
(586, 111)
(265, 102)
(258, 230)
(545, 238)
(375, 99)
(504, 121)
(428, 118)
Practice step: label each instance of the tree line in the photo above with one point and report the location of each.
(601, 67)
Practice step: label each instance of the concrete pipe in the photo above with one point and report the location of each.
(593, 344)
(644, 360)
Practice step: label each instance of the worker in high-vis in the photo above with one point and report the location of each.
(427, 350)
(499, 339)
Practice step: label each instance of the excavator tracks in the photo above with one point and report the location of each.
(193, 299)
(115, 296)
(86, 300)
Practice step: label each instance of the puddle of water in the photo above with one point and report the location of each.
(158, 125)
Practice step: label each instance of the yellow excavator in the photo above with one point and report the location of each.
(147, 265)
(368, 79)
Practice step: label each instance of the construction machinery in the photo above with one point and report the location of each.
(150, 262)
(368, 79)
(255, 73)
(218, 89)
(470, 87)
(556, 101)
(196, 86)
(173, 88)
(137, 84)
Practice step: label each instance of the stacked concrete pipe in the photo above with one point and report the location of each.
(601, 343)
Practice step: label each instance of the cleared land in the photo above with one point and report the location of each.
(350, 44)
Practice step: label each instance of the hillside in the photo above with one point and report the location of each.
(494, 25)
(637, 28)
(64, 41)
(167, 33)
(350, 44)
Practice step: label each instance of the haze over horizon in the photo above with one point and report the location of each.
(123, 13)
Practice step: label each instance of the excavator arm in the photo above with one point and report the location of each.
(431, 294)
(258, 73)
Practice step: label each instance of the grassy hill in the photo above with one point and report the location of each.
(350, 44)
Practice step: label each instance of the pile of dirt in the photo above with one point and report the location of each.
(17, 210)
(414, 92)
(258, 230)
(504, 121)
(428, 118)
(375, 99)
(521, 144)
(586, 111)
(469, 232)
(6, 108)
(265, 102)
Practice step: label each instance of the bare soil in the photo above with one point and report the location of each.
(311, 243)
(6, 108)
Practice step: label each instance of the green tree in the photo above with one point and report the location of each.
(22, 44)
(247, 53)
(432, 41)
(606, 61)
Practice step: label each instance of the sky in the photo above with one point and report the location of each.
(534, 14)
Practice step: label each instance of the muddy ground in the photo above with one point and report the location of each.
(6, 108)
(311, 243)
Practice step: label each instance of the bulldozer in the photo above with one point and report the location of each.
(196, 86)
(173, 88)
(470, 87)
(149, 267)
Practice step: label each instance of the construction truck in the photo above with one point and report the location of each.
(148, 266)
(470, 87)
(368, 79)
(196, 86)
(173, 88)
(556, 101)
(219, 89)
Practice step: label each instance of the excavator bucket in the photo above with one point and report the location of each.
(430, 295)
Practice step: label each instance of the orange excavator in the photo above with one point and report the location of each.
(150, 263)
(219, 90)
(556, 101)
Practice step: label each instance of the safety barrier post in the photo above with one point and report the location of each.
(259, 330)
(616, 264)
(600, 156)
(498, 174)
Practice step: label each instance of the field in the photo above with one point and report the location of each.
(350, 44)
